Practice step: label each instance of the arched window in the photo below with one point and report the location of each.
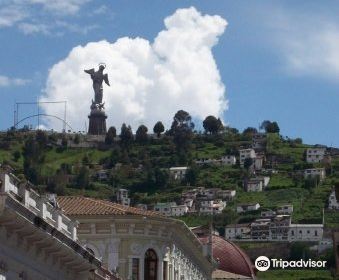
(151, 265)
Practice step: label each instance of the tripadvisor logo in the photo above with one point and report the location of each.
(263, 263)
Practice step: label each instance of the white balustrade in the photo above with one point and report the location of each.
(40, 206)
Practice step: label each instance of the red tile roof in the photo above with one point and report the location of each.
(229, 256)
(77, 205)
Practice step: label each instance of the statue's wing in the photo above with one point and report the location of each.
(106, 79)
(90, 71)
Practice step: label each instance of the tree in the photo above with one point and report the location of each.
(312, 182)
(33, 155)
(212, 125)
(192, 175)
(182, 119)
(126, 135)
(273, 128)
(141, 134)
(16, 155)
(270, 127)
(158, 128)
(161, 177)
(250, 130)
(41, 138)
(181, 130)
(110, 135)
(248, 163)
(82, 179)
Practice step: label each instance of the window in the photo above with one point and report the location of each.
(315, 233)
(308, 232)
(300, 231)
(151, 265)
(135, 269)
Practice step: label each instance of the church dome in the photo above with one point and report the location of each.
(229, 256)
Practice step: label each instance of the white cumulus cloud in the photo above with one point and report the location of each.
(150, 81)
(308, 42)
(7, 81)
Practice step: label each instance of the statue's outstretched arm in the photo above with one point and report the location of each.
(90, 71)
(106, 80)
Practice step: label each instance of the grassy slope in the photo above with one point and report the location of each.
(282, 189)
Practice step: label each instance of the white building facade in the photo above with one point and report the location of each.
(178, 173)
(313, 172)
(237, 231)
(139, 244)
(314, 155)
(123, 198)
(305, 232)
(247, 207)
(333, 201)
(37, 241)
(244, 154)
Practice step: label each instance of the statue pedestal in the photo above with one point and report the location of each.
(97, 122)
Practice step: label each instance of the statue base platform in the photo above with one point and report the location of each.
(97, 122)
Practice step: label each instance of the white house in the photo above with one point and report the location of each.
(260, 229)
(171, 209)
(253, 185)
(305, 232)
(218, 206)
(333, 201)
(265, 180)
(258, 162)
(122, 197)
(315, 154)
(189, 202)
(224, 160)
(313, 172)
(178, 173)
(279, 227)
(164, 208)
(179, 210)
(209, 193)
(226, 194)
(244, 154)
(241, 208)
(256, 184)
(286, 209)
(228, 160)
(237, 231)
(210, 207)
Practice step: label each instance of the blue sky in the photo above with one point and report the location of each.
(277, 61)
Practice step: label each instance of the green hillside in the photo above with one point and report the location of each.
(141, 164)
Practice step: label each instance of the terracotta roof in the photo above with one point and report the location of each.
(230, 257)
(77, 205)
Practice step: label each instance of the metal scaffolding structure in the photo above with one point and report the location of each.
(39, 114)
